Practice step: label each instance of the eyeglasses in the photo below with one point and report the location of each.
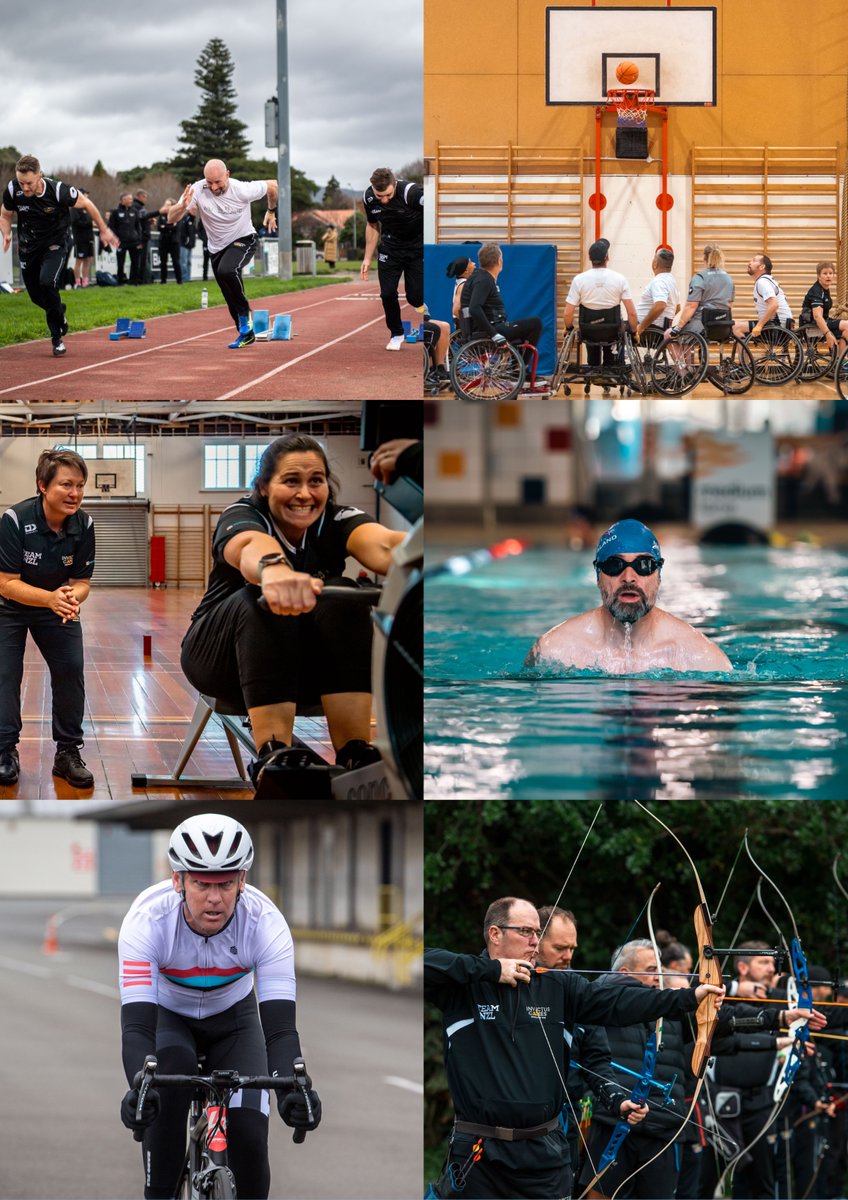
(643, 564)
(524, 931)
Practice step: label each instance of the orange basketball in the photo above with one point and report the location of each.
(627, 73)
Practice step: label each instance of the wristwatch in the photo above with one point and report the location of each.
(271, 560)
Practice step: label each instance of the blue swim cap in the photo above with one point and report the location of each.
(626, 537)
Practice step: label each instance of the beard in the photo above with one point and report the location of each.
(629, 611)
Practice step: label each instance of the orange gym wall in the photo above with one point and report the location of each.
(781, 72)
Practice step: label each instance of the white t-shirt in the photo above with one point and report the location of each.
(661, 287)
(227, 217)
(598, 288)
(764, 289)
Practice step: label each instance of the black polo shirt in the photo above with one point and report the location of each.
(42, 558)
(43, 221)
(322, 552)
(817, 297)
(400, 219)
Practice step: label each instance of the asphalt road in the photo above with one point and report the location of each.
(60, 1130)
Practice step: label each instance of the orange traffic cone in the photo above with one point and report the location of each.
(51, 941)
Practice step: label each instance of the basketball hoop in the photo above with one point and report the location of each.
(631, 104)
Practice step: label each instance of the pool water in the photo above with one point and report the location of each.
(777, 726)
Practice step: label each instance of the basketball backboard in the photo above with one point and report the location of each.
(674, 49)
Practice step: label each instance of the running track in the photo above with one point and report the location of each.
(337, 353)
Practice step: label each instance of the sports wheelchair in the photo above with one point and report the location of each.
(677, 365)
(819, 358)
(840, 374)
(778, 353)
(482, 368)
(610, 341)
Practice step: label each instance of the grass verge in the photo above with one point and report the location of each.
(94, 307)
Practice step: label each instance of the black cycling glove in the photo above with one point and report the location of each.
(293, 1110)
(129, 1104)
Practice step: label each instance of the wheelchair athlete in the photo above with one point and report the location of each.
(285, 540)
(481, 298)
(190, 949)
(769, 299)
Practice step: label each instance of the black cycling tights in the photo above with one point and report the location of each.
(231, 1040)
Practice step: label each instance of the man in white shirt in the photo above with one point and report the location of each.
(224, 205)
(660, 297)
(769, 298)
(602, 291)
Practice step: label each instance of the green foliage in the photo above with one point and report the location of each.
(99, 170)
(334, 197)
(215, 130)
(346, 234)
(477, 851)
(303, 190)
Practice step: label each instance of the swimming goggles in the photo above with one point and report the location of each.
(644, 564)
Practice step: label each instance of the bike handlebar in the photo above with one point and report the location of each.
(230, 1081)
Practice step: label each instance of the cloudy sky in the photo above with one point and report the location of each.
(83, 81)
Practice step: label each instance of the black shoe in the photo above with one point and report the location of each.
(357, 753)
(68, 765)
(10, 767)
(279, 754)
(59, 348)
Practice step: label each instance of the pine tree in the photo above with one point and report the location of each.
(215, 131)
(334, 197)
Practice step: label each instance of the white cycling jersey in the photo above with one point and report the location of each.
(163, 961)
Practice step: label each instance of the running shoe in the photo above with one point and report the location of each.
(243, 339)
(59, 348)
(395, 342)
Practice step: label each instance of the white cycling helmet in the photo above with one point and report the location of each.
(210, 842)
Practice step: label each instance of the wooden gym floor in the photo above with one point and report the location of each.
(137, 710)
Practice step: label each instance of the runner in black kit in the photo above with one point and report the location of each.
(44, 241)
(394, 209)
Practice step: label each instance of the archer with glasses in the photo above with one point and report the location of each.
(627, 633)
(190, 950)
(505, 1057)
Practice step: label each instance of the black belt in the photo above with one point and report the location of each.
(506, 1135)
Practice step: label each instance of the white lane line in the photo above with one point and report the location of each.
(294, 361)
(408, 1085)
(107, 362)
(25, 968)
(91, 985)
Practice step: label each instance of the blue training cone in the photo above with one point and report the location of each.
(282, 330)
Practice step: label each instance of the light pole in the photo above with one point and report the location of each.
(284, 236)
(350, 185)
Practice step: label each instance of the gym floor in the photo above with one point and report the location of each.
(137, 708)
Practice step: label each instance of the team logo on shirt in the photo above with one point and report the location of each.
(30, 528)
(488, 1012)
(538, 1012)
(67, 560)
(32, 557)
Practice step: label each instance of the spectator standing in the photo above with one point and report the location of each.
(123, 221)
(82, 231)
(330, 243)
(144, 218)
(169, 244)
(188, 237)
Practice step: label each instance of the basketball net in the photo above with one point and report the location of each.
(631, 104)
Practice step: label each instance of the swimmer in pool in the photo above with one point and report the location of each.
(626, 632)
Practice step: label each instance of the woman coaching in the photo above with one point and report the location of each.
(46, 562)
(287, 539)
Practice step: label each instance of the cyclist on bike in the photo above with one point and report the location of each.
(189, 949)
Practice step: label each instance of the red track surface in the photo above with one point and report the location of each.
(337, 353)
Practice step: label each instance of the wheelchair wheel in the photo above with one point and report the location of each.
(678, 366)
(637, 380)
(484, 370)
(841, 374)
(735, 372)
(563, 362)
(819, 358)
(778, 355)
